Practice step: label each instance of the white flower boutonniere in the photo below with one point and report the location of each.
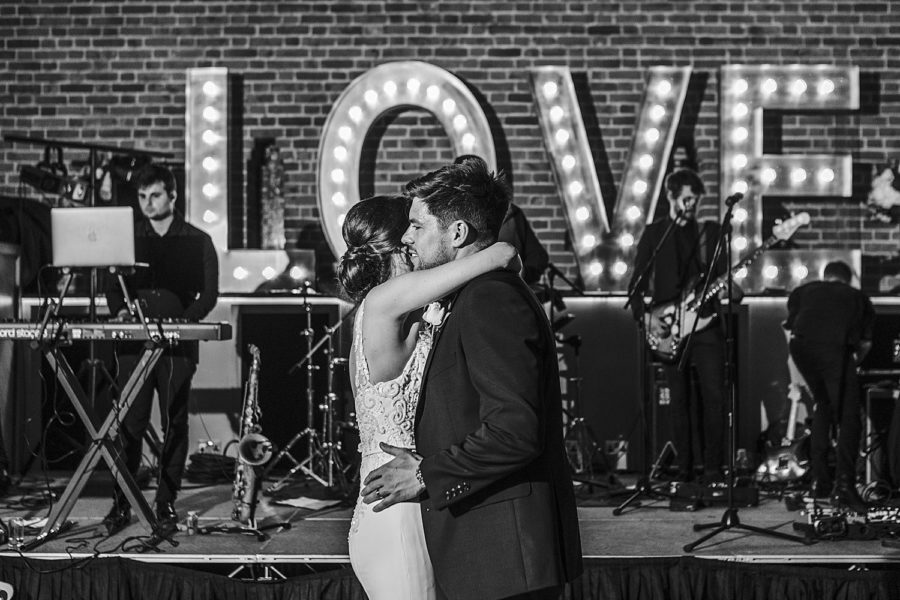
(435, 314)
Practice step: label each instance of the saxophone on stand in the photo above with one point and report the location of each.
(254, 449)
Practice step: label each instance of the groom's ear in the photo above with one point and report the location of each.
(461, 234)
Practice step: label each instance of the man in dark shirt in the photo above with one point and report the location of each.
(181, 282)
(682, 259)
(831, 331)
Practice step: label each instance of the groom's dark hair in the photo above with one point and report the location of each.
(466, 190)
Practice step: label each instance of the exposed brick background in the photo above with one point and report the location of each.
(113, 72)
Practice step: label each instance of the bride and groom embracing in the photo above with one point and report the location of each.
(466, 492)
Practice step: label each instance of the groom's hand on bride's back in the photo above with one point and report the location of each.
(395, 481)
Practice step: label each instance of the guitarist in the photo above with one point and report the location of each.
(830, 326)
(697, 391)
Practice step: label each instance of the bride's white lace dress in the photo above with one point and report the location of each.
(387, 548)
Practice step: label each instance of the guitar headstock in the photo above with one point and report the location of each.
(787, 228)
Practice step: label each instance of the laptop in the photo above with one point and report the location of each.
(92, 237)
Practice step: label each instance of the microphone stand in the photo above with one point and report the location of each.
(730, 519)
(643, 487)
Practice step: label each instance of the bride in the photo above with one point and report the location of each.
(390, 347)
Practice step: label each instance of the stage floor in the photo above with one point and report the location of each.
(319, 537)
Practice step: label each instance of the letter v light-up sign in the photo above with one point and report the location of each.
(387, 87)
(744, 92)
(605, 250)
(208, 148)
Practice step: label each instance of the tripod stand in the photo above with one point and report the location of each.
(730, 518)
(323, 462)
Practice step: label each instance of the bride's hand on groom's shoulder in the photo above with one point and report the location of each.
(395, 481)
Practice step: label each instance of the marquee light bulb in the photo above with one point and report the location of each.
(657, 112)
(626, 240)
(355, 113)
(739, 187)
(739, 134)
(557, 113)
(582, 213)
(269, 273)
(337, 175)
(645, 162)
(664, 88)
(413, 86)
(468, 141)
(371, 97)
(210, 190)
(739, 161)
(345, 133)
(390, 88)
(770, 272)
(740, 243)
(550, 89)
(740, 215)
(768, 175)
(639, 187)
(575, 188)
(211, 89)
(211, 138)
(210, 164)
(240, 273)
(825, 87)
(633, 213)
(651, 136)
(338, 199)
(740, 110)
(769, 86)
(562, 136)
(798, 175)
(825, 175)
(798, 87)
(297, 272)
(588, 241)
(210, 217)
(568, 162)
(448, 106)
(800, 272)
(741, 273)
(340, 152)
(620, 268)
(433, 92)
(595, 268)
(459, 122)
(211, 114)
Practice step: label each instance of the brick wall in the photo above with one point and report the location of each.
(113, 72)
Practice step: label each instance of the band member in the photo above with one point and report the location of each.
(697, 389)
(830, 326)
(182, 281)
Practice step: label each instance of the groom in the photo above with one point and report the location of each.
(498, 506)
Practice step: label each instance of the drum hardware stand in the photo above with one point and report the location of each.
(323, 450)
(730, 518)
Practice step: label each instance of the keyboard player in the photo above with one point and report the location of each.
(181, 282)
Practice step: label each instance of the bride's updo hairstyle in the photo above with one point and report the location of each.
(372, 230)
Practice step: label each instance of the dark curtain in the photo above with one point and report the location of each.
(684, 578)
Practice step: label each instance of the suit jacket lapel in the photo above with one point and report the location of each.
(420, 403)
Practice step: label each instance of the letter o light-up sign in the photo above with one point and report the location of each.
(387, 87)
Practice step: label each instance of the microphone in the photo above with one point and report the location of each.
(733, 199)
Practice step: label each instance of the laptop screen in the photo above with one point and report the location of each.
(92, 237)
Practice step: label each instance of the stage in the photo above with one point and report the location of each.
(638, 554)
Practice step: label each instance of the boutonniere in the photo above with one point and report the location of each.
(434, 315)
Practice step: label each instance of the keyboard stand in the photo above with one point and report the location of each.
(102, 443)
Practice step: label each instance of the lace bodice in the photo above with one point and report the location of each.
(386, 410)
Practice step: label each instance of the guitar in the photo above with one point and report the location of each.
(790, 460)
(679, 316)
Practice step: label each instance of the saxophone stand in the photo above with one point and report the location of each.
(252, 526)
(730, 518)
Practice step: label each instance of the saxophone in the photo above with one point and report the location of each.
(254, 449)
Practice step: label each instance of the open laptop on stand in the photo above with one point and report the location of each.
(94, 237)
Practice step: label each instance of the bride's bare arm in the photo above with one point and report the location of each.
(403, 294)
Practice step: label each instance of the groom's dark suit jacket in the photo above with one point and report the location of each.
(500, 514)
